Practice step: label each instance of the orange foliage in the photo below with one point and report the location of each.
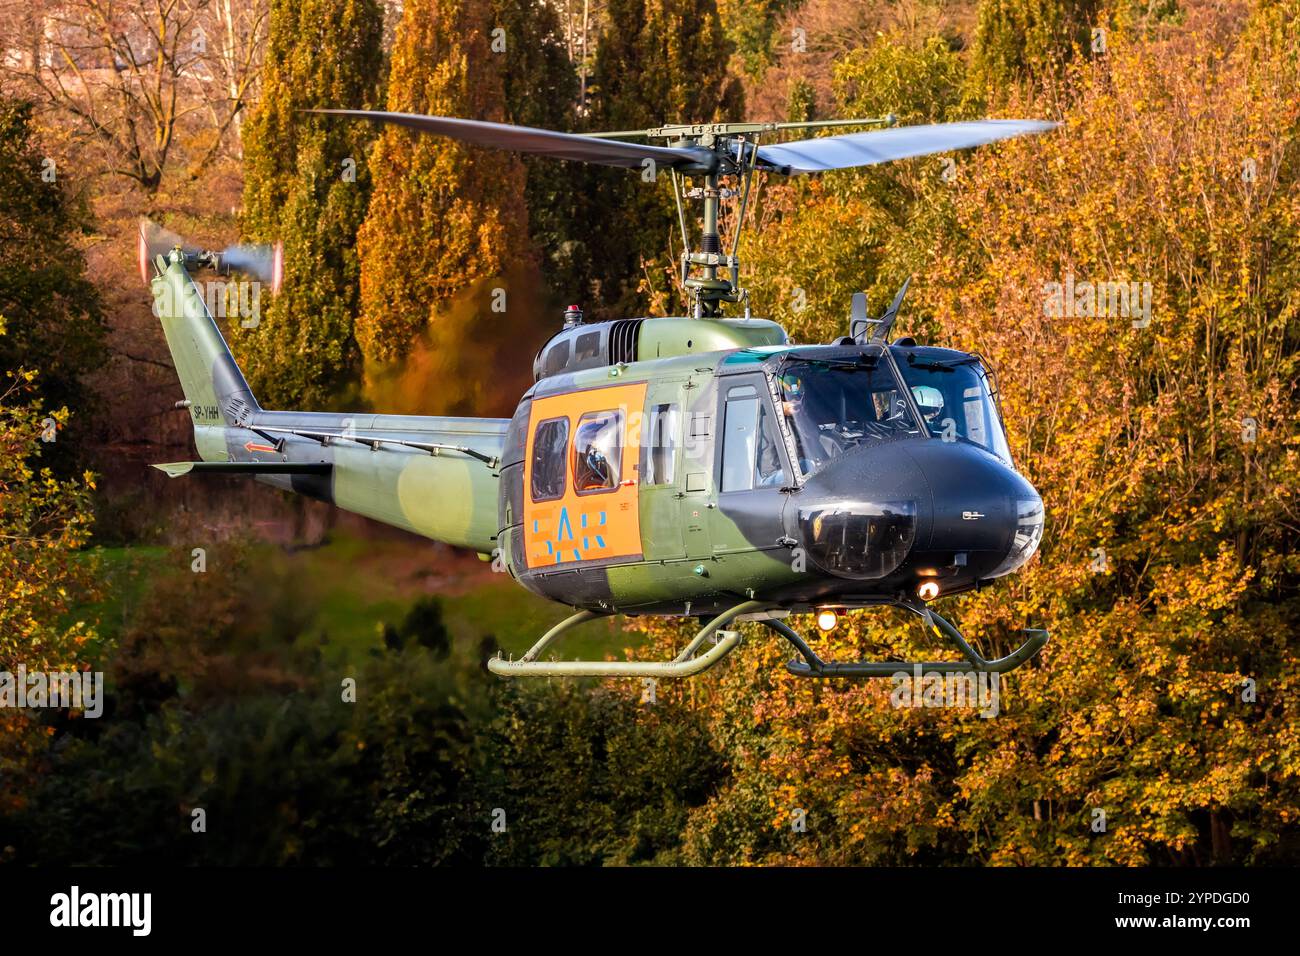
(1141, 705)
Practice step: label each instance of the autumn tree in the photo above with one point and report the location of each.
(44, 520)
(445, 257)
(540, 87)
(53, 311)
(307, 183)
(657, 62)
(145, 82)
(752, 28)
(1028, 40)
(662, 61)
(1163, 442)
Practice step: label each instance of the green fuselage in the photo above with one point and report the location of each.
(658, 468)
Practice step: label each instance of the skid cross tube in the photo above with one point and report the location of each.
(814, 666)
(687, 664)
(684, 664)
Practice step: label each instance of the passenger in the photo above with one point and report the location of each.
(592, 467)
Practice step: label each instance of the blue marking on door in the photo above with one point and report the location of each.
(564, 532)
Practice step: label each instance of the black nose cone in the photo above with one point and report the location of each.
(906, 511)
(982, 507)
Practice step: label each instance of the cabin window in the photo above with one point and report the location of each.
(835, 405)
(973, 406)
(769, 468)
(597, 452)
(557, 358)
(587, 346)
(550, 442)
(956, 402)
(660, 440)
(739, 438)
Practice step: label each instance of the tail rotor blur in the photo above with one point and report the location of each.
(263, 262)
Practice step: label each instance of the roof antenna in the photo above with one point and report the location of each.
(864, 329)
(858, 319)
(886, 321)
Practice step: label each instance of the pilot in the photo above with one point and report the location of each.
(592, 469)
(792, 393)
(929, 401)
(798, 418)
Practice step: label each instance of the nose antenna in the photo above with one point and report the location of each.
(864, 329)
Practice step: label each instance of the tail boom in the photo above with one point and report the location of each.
(434, 476)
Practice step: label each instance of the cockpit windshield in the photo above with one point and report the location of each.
(955, 402)
(836, 404)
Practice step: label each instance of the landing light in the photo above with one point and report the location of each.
(928, 591)
(827, 620)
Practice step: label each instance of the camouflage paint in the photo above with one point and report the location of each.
(686, 548)
(445, 496)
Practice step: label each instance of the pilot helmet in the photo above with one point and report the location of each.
(791, 386)
(929, 400)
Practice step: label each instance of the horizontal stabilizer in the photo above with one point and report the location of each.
(174, 469)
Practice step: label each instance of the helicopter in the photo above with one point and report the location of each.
(693, 466)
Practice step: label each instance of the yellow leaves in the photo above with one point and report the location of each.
(43, 521)
(1213, 584)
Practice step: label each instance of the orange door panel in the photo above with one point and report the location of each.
(591, 515)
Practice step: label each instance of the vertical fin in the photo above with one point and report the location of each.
(215, 389)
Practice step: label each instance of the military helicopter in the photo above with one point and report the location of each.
(694, 466)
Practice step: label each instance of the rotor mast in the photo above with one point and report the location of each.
(708, 292)
(710, 276)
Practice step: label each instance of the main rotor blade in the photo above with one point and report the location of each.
(526, 139)
(882, 146)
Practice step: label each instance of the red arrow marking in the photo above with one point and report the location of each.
(254, 446)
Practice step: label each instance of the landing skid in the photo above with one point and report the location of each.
(814, 666)
(687, 664)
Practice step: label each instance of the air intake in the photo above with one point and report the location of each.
(623, 335)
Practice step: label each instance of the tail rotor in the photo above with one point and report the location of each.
(263, 262)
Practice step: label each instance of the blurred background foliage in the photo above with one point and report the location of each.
(1176, 165)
